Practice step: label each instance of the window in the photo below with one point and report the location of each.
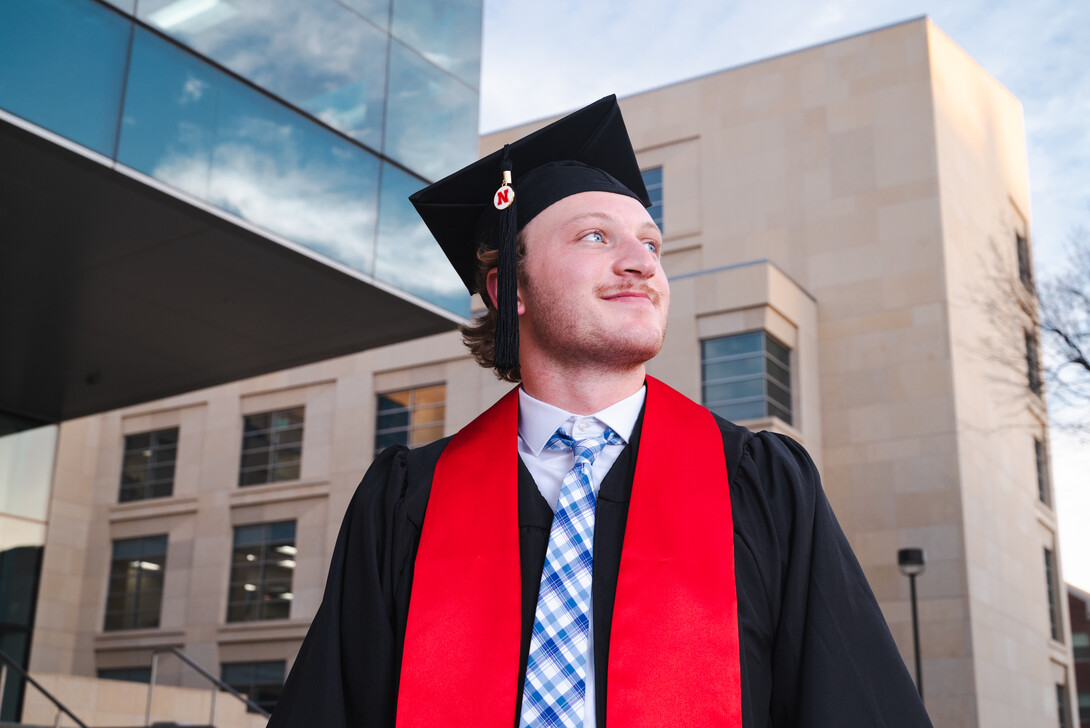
(147, 468)
(1025, 271)
(1033, 364)
(652, 180)
(128, 674)
(1061, 705)
(272, 447)
(746, 376)
(136, 583)
(1080, 643)
(410, 417)
(1043, 486)
(262, 565)
(261, 682)
(1053, 604)
(1084, 707)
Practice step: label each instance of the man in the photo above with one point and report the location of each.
(595, 548)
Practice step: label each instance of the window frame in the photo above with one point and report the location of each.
(255, 602)
(249, 687)
(275, 469)
(781, 407)
(1033, 364)
(655, 192)
(1044, 482)
(411, 426)
(1055, 618)
(149, 487)
(148, 554)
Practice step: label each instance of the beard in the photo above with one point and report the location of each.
(578, 338)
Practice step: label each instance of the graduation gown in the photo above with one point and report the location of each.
(815, 649)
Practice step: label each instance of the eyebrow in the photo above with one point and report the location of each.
(649, 225)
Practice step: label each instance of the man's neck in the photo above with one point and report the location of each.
(583, 392)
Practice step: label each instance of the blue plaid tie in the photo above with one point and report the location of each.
(556, 668)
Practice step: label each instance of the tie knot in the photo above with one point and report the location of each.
(585, 449)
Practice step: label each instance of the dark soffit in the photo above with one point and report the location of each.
(113, 292)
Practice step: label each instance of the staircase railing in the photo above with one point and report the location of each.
(217, 685)
(6, 660)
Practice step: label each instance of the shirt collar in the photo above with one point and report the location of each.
(539, 420)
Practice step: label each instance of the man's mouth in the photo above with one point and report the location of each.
(634, 295)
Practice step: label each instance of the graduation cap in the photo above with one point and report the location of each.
(486, 204)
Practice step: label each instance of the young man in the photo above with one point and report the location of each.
(596, 547)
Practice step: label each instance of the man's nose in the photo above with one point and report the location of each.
(636, 258)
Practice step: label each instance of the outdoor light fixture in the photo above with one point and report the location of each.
(912, 563)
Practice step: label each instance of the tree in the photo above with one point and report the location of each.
(1063, 313)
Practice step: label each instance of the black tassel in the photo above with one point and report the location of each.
(507, 324)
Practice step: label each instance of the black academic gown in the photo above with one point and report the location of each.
(815, 650)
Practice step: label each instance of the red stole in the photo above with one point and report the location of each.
(673, 653)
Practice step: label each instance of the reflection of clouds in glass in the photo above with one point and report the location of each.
(446, 32)
(309, 201)
(306, 52)
(192, 16)
(409, 258)
(192, 90)
(431, 117)
(342, 108)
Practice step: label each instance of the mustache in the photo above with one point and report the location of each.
(605, 291)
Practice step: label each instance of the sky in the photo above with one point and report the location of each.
(542, 58)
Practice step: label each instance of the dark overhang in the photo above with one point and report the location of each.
(114, 292)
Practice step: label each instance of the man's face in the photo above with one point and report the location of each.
(593, 293)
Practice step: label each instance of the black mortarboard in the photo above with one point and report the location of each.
(487, 203)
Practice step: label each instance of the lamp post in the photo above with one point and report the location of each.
(912, 563)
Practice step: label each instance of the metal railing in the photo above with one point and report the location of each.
(217, 685)
(6, 660)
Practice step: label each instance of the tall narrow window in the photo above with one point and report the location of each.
(1061, 704)
(262, 566)
(1025, 269)
(652, 180)
(1053, 602)
(1044, 491)
(261, 682)
(272, 447)
(411, 417)
(746, 376)
(136, 583)
(147, 467)
(1033, 364)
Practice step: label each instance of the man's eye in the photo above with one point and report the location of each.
(652, 246)
(594, 236)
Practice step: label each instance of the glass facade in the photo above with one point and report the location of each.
(309, 118)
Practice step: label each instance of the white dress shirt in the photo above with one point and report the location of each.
(537, 423)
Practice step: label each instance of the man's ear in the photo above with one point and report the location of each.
(492, 284)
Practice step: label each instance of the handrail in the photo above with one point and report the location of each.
(216, 683)
(61, 708)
